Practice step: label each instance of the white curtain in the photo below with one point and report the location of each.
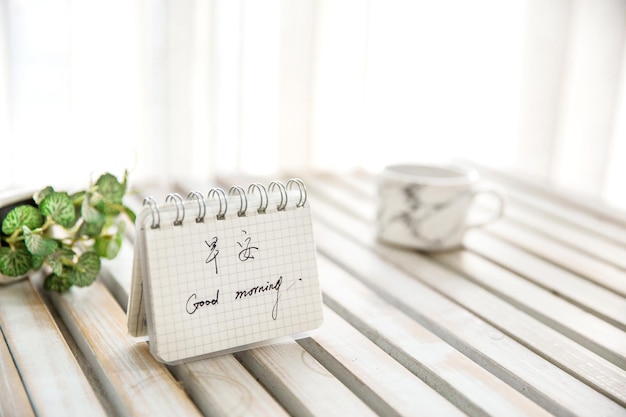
(188, 89)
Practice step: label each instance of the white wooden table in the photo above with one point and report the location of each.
(528, 319)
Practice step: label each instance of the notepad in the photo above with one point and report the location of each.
(223, 272)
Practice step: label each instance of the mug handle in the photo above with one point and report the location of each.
(499, 212)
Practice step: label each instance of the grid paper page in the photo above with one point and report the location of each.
(227, 284)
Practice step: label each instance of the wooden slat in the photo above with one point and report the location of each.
(530, 203)
(13, 397)
(134, 382)
(543, 340)
(594, 299)
(221, 386)
(301, 384)
(380, 381)
(569, 234)
(53, 379)
(565, 243)
(555, 195)
(459, 379)
(570, 227)
(570, 320)
(606, 275)
(575, 240)
(483, 343)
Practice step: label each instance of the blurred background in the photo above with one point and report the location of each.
(193, 88)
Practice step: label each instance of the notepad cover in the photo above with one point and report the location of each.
(225, 285)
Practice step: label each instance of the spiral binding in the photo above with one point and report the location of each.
(263, 193)
(243, 206)
(201, 205)
(217, 193)
(178, 200)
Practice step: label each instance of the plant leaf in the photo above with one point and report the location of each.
(86, 269)
(90, 214)
(37, 244)
(131, 214)
(90, 230)
(39, 196)
(108, 246)
(37, 262)
(21, 216)
(58, 283)
(109, 194)
(14, 262)
(59, 207)
(55, 259)
(77, 197)
(94, 219)
(103, 245)
(125, 179)
(110, 188)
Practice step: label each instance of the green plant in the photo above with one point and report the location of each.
(68, 233)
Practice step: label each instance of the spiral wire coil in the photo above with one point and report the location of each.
(177, 200)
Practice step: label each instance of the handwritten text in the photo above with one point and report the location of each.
(193, 305)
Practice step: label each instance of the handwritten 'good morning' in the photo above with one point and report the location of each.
(193, 304)
(247, 252)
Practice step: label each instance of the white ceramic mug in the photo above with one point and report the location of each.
(426, 207)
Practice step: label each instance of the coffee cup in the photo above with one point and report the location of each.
(426, 207)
